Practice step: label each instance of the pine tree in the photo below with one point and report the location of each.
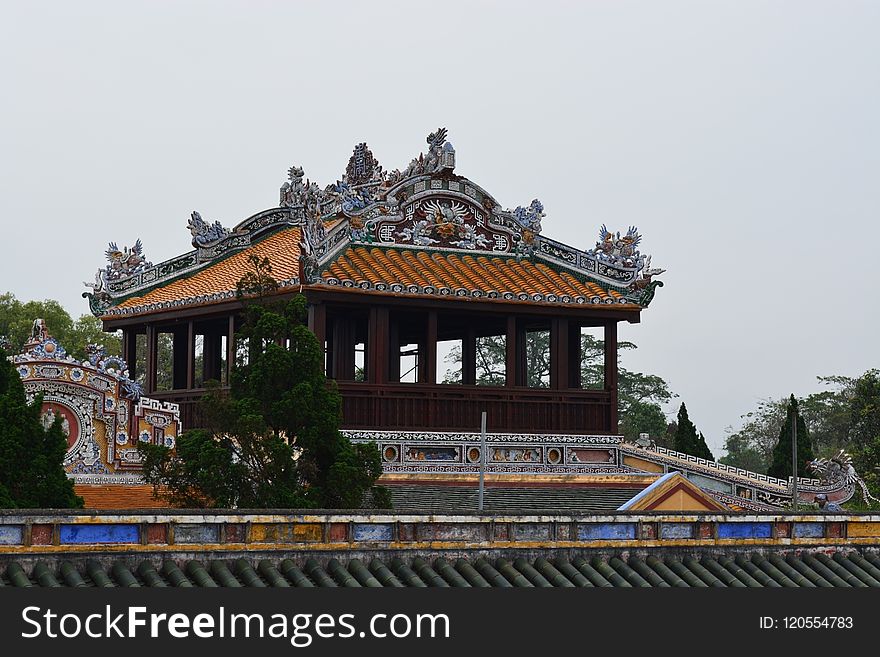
(687, 440)
(31, 472)
(781, 465)
(703, 450)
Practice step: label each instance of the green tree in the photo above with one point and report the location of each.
(644, 418)
(864, 428)
(687, 439)
(751, 446)
(17, 320)
(743, 453)
(88, 330)
(274, 440)
(826, 414)
(780, 466)
(31, 456)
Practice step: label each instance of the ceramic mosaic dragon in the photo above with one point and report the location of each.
(839, 469)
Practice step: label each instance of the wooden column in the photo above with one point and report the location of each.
(318, 326)
(181, 367)
(393, 350)
(559, 362)
(230, 348)
(191, 355)
(318, 322)
(430, 355)
(574, 356)
(522, 370)
(212, 348)
(611, 371)
(150, 377)
(342, 364)
(469, 357)
(510, 353)
(378, 345)
(129, 351)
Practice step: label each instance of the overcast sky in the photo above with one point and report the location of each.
(740, 137)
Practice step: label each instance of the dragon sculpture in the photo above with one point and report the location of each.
(617, 249)
(839, 468)
(204, 233)
(125, 262)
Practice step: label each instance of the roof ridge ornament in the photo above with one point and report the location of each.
(203, 233)
(840, 468)
(122, 263)
(126, 261)
(426, 205)
(440, 158)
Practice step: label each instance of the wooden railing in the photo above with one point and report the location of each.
(418, 407)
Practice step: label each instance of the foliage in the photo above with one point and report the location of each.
(781, 466)
(842, 416)
(17, 320)
(743, 451)
(274, 440)
(687, 439)
(640, 396)
(644, 418)
(751, 447)
(31, 456)
(864, 428)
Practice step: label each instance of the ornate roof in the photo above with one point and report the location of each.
(424, 230)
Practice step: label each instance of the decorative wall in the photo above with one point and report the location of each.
(100, 409)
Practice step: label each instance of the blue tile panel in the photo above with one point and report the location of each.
(607, 531)
(676, 530)
(744, 530)
(100, 534)
(371, 532)
(11, 534)
(809, 530)
(200, 533)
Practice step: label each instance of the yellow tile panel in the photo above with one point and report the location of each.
(863, 529)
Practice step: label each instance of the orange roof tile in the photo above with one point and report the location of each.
(396, 270)
(281, 248)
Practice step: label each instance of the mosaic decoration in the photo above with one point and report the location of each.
(425, 205)
(125, 262)
(203, 233)
(516, 455)
(839, 469)
(100, 410)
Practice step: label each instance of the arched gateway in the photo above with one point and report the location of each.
(103, 414)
